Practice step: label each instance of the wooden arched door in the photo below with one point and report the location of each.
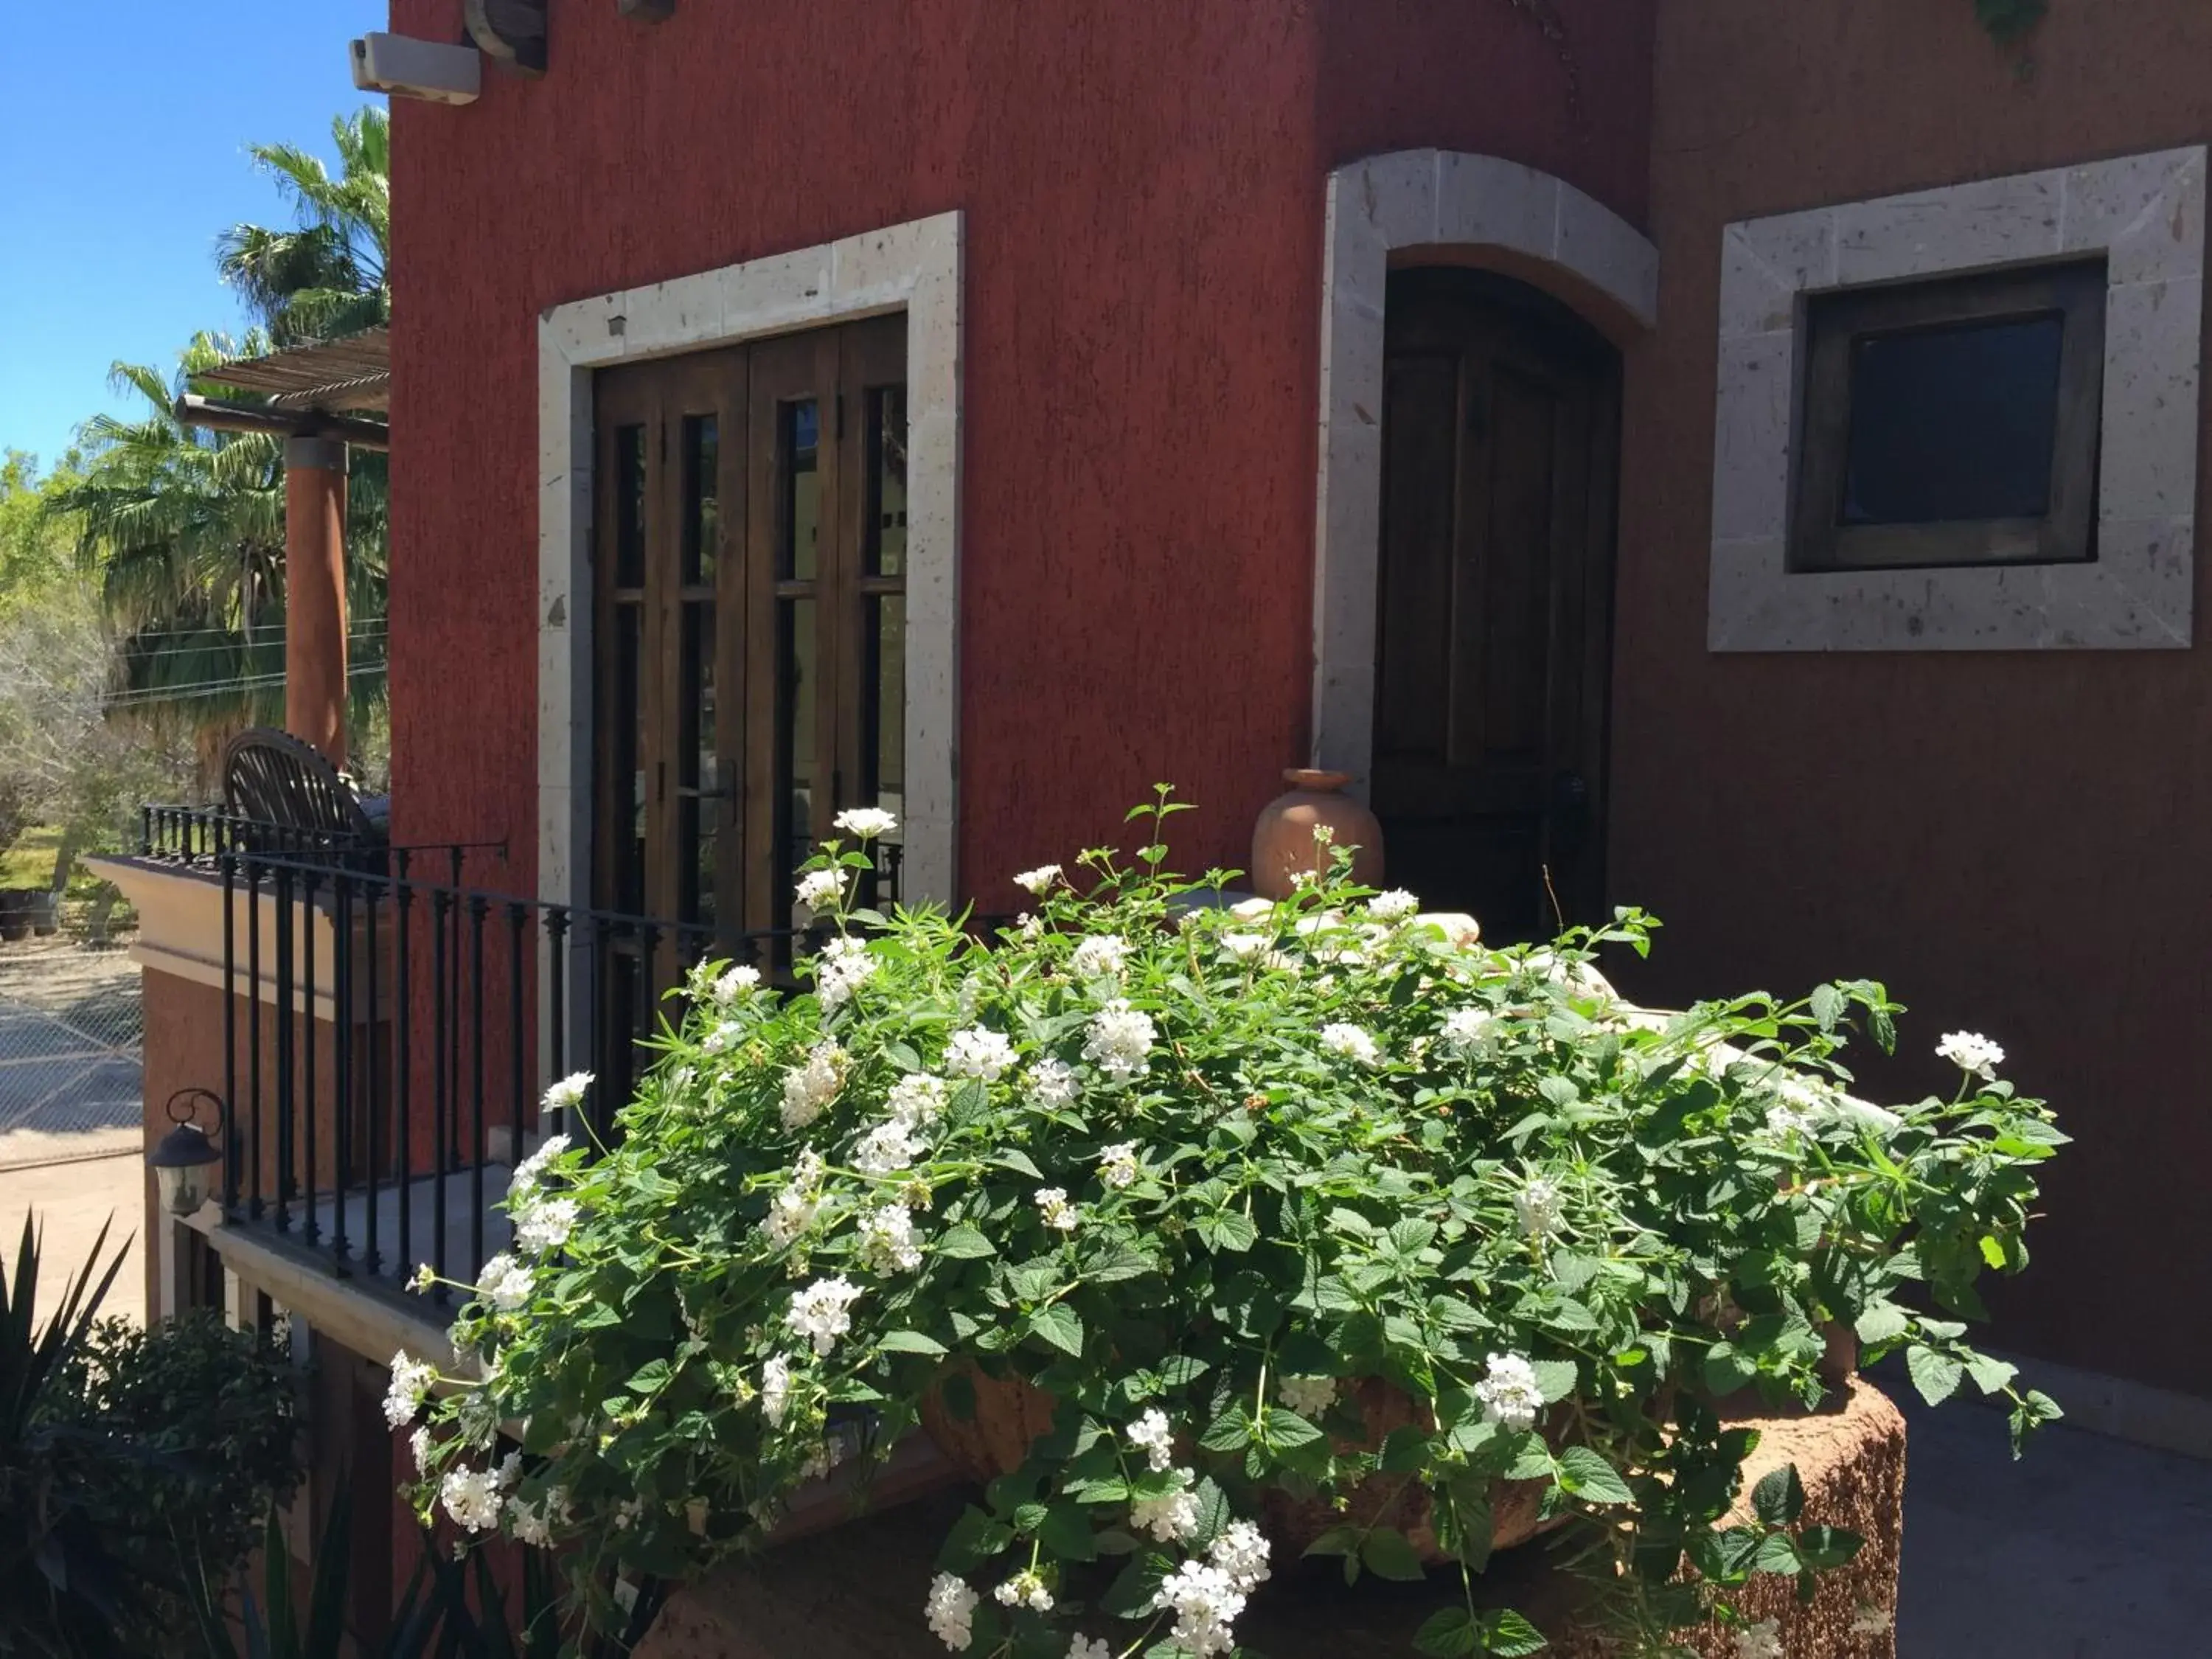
(1500, 434)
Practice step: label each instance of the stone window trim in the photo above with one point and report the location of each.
(1435, 207)
(2145, 215)
(915, 267)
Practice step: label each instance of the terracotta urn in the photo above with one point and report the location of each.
(1283, 844)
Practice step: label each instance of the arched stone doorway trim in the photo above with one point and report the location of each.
(1414, 207)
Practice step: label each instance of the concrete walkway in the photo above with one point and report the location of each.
(71, 1201)
(2086, 1548)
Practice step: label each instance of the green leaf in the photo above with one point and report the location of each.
(1507, 1634)
(1387, 1553)
(1777, 1553)
(1065, 1531)
(1586, 1473)
(1337, 1541)
(1779, 1497)
(909, 1342)
(974, 1538)
(1885, 1321)
(1990, 1375)
(1448, 1634)
(1555, 1378)
(1827, 1005)
(962, 1241)
(1059, 1325)
(1405, 1449)
(1230, 1431)
(649, 1378)
(1019, 1163)
(1229, 1230)
(1532, 1462)
(1727, 1368)
(1824, 1547)
(1287, 1429)
(1936, 1375)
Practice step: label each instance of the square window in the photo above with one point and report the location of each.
(1952, 422)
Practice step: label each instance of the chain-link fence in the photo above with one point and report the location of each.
(71, 1027)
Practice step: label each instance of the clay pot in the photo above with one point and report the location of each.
(1283, 843)
(1010, 1414)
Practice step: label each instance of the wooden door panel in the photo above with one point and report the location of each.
(1493, 609)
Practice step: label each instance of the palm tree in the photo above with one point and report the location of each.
(183, 529)
(326, 276)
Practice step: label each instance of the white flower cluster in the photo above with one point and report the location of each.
(886, 1149)
(888, 1243)
(567, 1093)
(843, 968)
(1241, 1552)
(420, 1446)
(809, 1087)
(916, 1098)
(1120, 1040)
(533, 1523)
(1464, 1030)
(1170, 1517)
(1024, 1589)
(1351, 1042)
(823, 1312)
(1206, 1597)
(1396, 905)
(775, 1390)
(1052, 1085)
(1038, 882)
(1084, 1646)
(1102, 956)
(1152, 1435)
(543, 1223)
(866, 823)
(723, 1037)
(473, 1497)
(950, 1611)
(1972, 1053)
(736, 983)
(1059, 1215)
(820, 890)
(1509, 1392)
(979, 1052)
(504, 1283)
(1536, 1207)
(1117, 1164)
(1760, 1641)
(1308, 1396)
(792, 1210)
(410, 1383)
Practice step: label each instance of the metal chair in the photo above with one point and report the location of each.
(284, 797)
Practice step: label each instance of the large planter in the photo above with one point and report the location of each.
(15, 911)
(1283, 844)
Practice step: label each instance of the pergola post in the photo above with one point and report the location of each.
(315, 592)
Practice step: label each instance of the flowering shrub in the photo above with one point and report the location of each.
(1209, 1179)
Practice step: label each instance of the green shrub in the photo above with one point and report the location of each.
(1208, 1178)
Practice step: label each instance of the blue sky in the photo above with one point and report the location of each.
(122, 135)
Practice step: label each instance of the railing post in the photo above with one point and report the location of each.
(439, 1018)
(477, 907)
(253, 1018)
(518, 918)
(310, 1170)
(556, 1009)
(341, 1056)
(285, 1099)
(403, 1056)
(229, 1037)
(372, 1259)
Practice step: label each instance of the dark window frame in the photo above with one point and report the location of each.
(1820, 540)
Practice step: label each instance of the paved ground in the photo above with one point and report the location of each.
(2087, 1548)
(71, 1025)
(71, 1201)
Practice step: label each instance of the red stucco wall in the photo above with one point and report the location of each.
(1144, 190)
(2016, 841)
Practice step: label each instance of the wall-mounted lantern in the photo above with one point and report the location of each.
(510, 33)
(184, 1161)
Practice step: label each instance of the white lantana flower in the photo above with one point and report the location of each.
(420, 1446)
(1169, 1517)
(775, 1390)
(1464, 1030)
(916, 1098)
(1152, 1435)
(736, 983)
(1120, 1040)
(843, 968)
(1206, 1602)
(1038, 882)
(1080, 1646)
(504, 1283)
(1117, 1164)
(823, 1312)
(866, 823)
(820, 890)
(1241, 1552)
(567, 1093)
(1351, 1042)
(473, 1497)
(1760, 1641)
(887, 1240)
(1394, 906)
(531, 1523)
(1509, 1392)
(886, 1149)
(808, 1087)
(532, 1170)
(1024, 1589)
(1052, 1085)
(1059, 1215)
(1972, 1053)
(950, 1610)
(723, 1037)
(410, 1383)
(979, 1052)
(545, 1225)
(1308, 1396)
(1102, 956)
(1536, 1207)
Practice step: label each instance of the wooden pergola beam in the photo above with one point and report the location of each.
(217, 416)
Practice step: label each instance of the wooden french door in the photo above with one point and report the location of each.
(750, 571)
(1500, 428)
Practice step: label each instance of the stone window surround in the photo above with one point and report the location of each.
(2146, 214)
(914, 267)
(1427, 207)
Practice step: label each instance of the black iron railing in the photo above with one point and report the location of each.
(389, 1033)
